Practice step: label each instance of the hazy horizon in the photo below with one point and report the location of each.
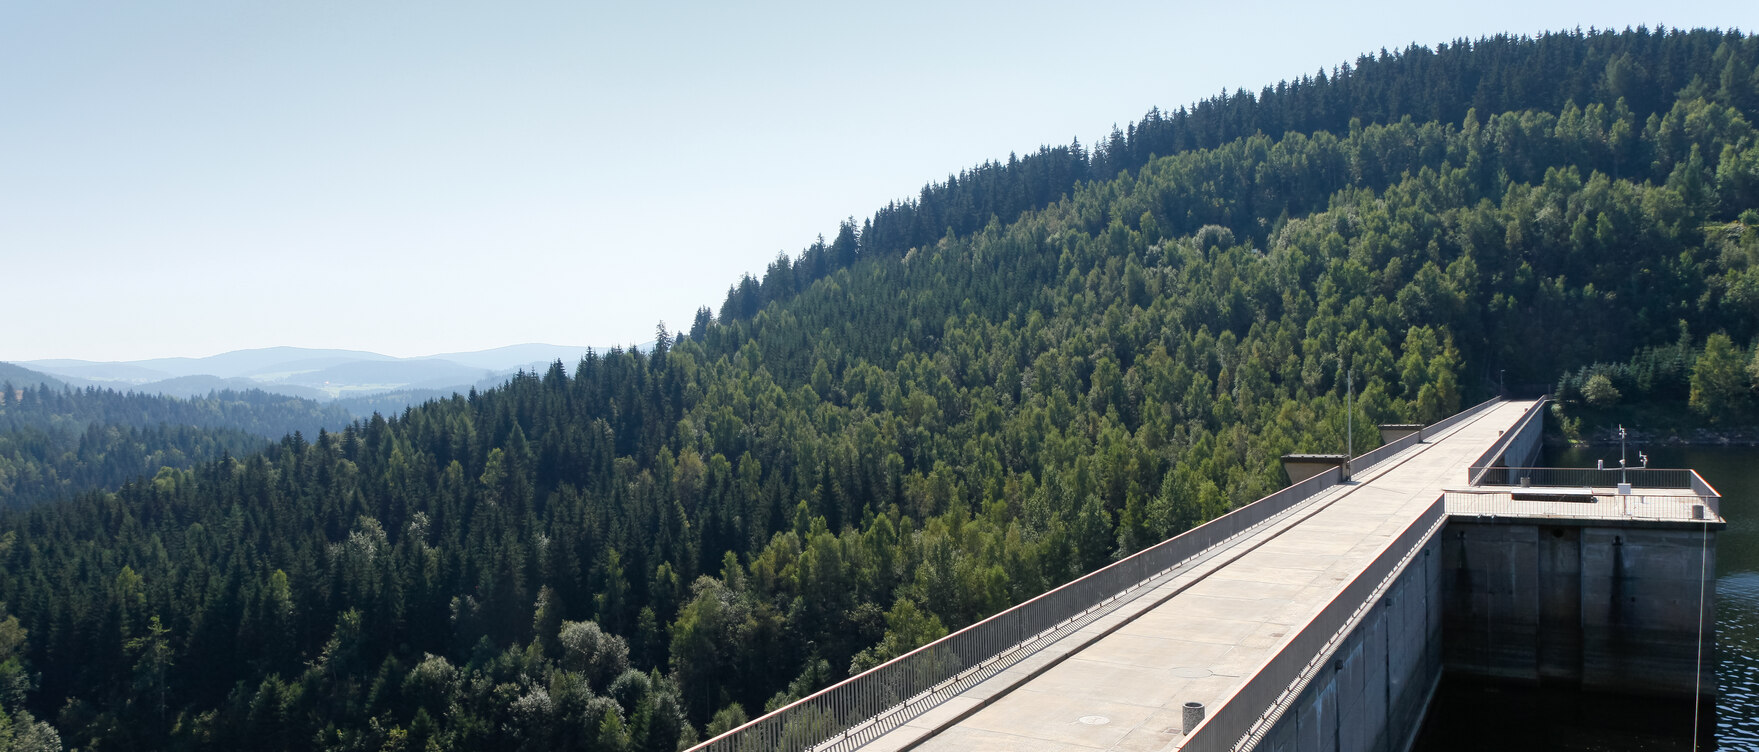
(203, 177)
(205, 356)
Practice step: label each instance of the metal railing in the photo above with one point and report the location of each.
(1380, 454)
(1583, 477)
(1383, 452)
(1455, 419)
(1501, 447)
(1459, 417)
(1593, 477)
(1254, 709)
(1677, 507)
(864, 707)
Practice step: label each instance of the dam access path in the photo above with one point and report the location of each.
(1201, 635)
(1314, 618)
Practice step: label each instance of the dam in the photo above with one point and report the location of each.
(1321, 617)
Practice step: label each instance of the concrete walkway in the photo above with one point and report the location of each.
(1119, 683)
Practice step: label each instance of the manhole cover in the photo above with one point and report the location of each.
(1095, 720)
(1191, 673)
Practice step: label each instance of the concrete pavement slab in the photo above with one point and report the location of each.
(1124, 690)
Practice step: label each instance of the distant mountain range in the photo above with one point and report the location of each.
(20, 377)
(361, 380)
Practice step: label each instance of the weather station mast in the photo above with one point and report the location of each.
(1624, 469)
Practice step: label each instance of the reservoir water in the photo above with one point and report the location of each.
(1480, 716)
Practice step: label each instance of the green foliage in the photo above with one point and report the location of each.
(1722, 390)
(907, 627)
(19, 730)
(1609, 92)
(1599, 391)
(56, 442)
(1659, 373)
(726, 719)
(936, 411)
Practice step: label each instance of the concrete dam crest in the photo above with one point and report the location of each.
(1321, 617)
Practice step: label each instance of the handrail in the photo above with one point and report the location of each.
(1504, 503)
(1255, 707)
(1381, 453)
(1587, 477)
(1451, 420)
(1594, 477)
(863, 707)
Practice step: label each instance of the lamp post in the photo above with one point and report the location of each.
(1349, 419)
(1349, 413)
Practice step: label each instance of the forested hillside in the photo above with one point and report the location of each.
(903, 430)
(55, 442)
(1646, 70)
(22, 378)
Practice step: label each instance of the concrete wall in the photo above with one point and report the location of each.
(1640, 610)
(1609, 609)
(1523, 449)
(1490, 593)
(1371, 694)
(1613, 608)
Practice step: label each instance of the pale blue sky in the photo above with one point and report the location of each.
(181, 179)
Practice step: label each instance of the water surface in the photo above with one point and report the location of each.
(1471, 715)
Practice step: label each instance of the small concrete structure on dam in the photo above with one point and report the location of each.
(1321, 617)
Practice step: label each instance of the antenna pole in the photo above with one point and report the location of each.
(1622, 478)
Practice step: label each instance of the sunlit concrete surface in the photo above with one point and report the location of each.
(1120, 682)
